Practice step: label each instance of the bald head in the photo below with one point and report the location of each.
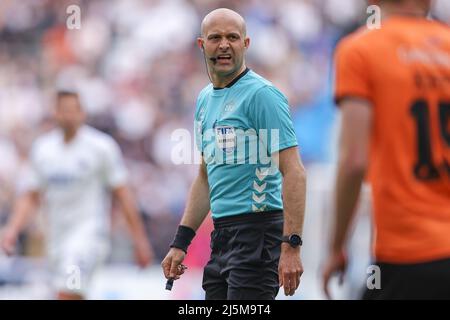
(223, 16)
(223, 42)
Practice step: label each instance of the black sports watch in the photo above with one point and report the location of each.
(293, 239)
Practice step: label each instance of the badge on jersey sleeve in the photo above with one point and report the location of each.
(226, 138)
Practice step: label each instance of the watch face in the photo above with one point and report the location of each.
(295, 240)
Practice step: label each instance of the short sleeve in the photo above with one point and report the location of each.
(271, 116)
(198, 121)
(198, 131)
(115, 170)
(352, 73)
(31, 178)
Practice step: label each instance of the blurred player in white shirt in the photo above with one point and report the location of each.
(74, 170)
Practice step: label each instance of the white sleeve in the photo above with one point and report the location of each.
(30, 177)
(115, 171)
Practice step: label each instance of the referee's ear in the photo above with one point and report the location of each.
(200, 43)
(246, 42)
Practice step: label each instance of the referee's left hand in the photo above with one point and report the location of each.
(290, 269)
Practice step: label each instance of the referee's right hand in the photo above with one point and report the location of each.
(171, 264)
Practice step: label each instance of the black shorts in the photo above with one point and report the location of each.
(245, 251)
(430, 280)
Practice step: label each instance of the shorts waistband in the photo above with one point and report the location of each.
(266, 216)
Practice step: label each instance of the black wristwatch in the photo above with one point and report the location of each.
(293, 239)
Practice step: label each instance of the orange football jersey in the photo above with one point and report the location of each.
(403, 69)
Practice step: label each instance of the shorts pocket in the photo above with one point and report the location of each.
(272, 243)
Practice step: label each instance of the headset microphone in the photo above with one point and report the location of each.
(214, 60)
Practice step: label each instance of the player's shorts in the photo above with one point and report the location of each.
(245, 250)
(73, 264)
(430, 280)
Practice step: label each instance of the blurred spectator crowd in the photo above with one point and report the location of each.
(138, 70)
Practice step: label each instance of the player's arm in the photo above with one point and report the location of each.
(352, 164)
(294, 193)
(143, 251)
(23, 211)
(115, 179)
(197, 208)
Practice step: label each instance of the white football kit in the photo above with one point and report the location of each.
(74, 180)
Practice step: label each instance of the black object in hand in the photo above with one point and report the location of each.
(169, 284)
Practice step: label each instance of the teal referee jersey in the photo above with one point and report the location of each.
(237, 130)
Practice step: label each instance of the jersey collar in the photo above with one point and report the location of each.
(243, 73)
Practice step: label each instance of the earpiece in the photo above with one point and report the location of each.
(214, 60)
(211, 58)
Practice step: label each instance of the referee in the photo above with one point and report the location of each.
(257, 205)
